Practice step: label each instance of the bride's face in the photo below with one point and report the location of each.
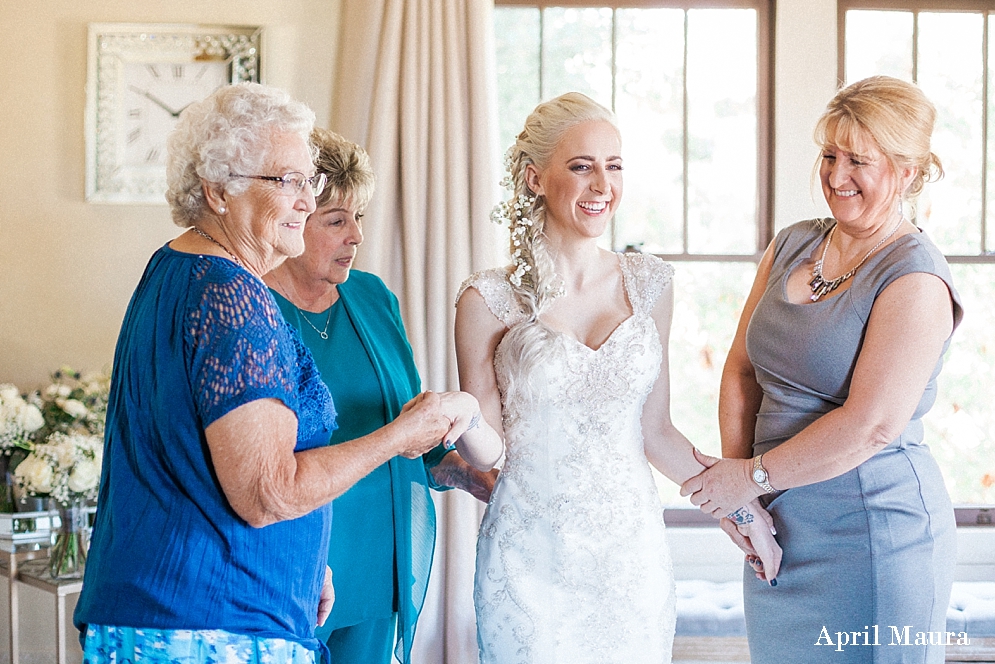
(582, 183)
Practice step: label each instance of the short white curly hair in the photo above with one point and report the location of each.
(228, 132)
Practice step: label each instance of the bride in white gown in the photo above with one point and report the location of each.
(566, 352)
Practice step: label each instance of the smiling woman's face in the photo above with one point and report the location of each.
(333, 233)
(582, 183)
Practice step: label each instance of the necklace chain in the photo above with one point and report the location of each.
(820, 286)
(206, 236)
(321, 333)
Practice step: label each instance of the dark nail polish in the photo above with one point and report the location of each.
(773, 582)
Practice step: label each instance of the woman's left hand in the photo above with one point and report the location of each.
(327, 598)
(723, 487)
(462, 410)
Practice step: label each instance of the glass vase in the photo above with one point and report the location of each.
(67, 558)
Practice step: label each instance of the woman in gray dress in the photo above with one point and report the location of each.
(831, 370)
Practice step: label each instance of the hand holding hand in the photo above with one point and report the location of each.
(722, 487)
(751, 528)
(327, 598)
(421, 425)
(464, 412)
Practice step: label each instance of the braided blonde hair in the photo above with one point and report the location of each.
(532, 276)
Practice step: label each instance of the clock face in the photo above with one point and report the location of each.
(140, 78)
(154, 96)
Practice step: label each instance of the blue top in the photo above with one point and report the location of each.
(201, 337)
(373, 315)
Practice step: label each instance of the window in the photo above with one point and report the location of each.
(948, 49)
(689, 83)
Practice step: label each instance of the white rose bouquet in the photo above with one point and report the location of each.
(66, 467)
(19, 420)
(74, 402)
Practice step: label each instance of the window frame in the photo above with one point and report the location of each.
(765, 110)
(986, 7)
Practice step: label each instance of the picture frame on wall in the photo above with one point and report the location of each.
(140, 77)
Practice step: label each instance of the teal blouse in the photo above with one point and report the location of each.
(384, 527)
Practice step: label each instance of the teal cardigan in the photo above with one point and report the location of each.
(376, 316)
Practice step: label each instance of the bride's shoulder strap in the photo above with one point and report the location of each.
(646, 277)
(493, 286)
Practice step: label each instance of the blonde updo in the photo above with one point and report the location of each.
(536, 283)
(347, 166)
(896, 115)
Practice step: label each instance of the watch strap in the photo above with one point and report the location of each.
(761, 478)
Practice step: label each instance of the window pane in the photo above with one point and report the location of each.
(990, 156)
(649, 101)
(960, 429)
(577, 52)
(516, 32)
(722, 128)
(878, 43)
(708, 301)
(950, 73)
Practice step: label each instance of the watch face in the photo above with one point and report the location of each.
(759, 475)
(155, 94)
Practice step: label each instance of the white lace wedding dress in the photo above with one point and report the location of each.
(572, 561)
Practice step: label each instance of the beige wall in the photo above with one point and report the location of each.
(67, 267)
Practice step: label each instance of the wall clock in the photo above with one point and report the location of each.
(139, 80)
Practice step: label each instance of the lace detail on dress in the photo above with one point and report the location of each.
(243, 350)
(493, 286)
(572, 562)
(646, 277)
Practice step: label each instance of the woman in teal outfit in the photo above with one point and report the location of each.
(383, 534)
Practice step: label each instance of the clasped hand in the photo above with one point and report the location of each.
(433, 418)
(723, 487)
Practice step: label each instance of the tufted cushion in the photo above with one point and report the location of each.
(709, 608)
(971, 610)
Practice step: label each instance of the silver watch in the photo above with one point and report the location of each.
(760, 474)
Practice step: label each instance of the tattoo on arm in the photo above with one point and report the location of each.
(741, 517)
(474, 421)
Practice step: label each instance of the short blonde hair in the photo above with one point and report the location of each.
(228, 132)
(896, 115)
(347, 166)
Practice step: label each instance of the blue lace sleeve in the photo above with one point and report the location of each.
(239, 349)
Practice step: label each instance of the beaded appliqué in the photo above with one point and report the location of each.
(572, 562)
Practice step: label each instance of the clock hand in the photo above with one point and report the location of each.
(155, 100)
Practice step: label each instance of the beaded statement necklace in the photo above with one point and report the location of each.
(321, 333)
(820, 286)
(208, 237)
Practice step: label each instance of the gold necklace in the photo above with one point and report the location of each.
(205, 235)
(820, 286)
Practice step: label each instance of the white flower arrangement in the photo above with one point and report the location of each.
(66, 467)
(74, 402)
(19, 419)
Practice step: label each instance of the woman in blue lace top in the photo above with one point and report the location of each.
(213, 516)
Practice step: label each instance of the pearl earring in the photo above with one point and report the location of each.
(222, 209)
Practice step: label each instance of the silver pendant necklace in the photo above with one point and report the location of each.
(820, 286)
(321, 333)
(205, 235)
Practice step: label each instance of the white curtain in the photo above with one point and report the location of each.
(414, 85)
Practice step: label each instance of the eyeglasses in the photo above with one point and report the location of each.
(292, 184)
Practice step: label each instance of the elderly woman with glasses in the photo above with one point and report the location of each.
(214, 516)
(384, 530)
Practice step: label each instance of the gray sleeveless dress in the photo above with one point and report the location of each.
(873, 550)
